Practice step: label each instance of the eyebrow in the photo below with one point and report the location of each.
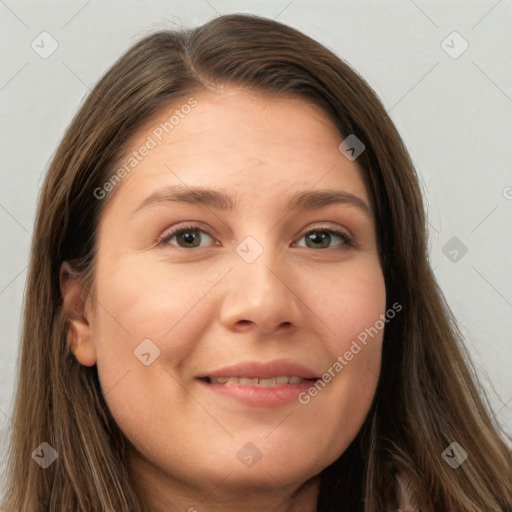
(220, 200)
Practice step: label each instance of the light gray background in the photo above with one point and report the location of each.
(455, 115)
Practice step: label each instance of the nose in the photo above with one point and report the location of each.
(262, 295)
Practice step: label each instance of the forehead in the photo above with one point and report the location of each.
(257, 144)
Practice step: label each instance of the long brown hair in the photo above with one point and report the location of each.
(428, 394)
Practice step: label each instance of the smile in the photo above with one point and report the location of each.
(260, 384)
(266, 382)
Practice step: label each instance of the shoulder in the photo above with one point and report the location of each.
(406, 496)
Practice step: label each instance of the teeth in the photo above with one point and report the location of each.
(255, 381)
(247, 382)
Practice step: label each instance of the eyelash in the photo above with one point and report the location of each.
(165, 240)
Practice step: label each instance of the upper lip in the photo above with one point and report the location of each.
(263, 370)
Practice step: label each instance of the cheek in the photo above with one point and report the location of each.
(355, 301)
(141, 301)
(141, 306)
(355, 314)
(136, 308)
(129, 320)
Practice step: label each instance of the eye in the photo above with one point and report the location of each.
(319, 238)
(188, 235)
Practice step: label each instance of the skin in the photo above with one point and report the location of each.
(206, 307)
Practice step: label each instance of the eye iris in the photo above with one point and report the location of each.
(316, 239)
(188, 236)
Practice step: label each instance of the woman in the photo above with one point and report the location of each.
(229, 302)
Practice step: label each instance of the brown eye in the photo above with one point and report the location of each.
(186, 237)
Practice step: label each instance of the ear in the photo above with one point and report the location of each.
(79, 337)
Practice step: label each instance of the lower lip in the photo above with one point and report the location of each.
(259, 396)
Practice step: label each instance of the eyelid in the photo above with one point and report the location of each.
(339, 231)
(191, 226)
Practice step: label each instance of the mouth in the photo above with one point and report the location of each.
(262, 382)
(259, 384)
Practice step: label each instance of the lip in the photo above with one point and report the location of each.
(263, 370)
(256, 396)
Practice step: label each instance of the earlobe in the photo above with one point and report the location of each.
(79, 329)
(85, 352)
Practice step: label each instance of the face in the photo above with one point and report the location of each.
(225, 327)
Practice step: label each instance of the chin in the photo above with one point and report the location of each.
(268, 478)
(272, 471)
